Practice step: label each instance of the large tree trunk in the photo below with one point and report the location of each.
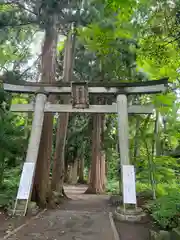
(97, 176)
(66, 171)
(41, 183)
(70, 173)
(58, 165)
(103, 170)
(102, 156)
(74, 171)
(89, 176)
(81, 170)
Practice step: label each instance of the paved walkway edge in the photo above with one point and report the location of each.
(23, 225)
(113, 226)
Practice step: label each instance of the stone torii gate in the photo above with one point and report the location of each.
(79, 93)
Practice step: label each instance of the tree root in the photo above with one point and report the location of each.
(64, 194)
(91, 190)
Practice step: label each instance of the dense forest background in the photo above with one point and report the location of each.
(123, 41)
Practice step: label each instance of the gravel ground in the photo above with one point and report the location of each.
(84, 217)
(67, 225)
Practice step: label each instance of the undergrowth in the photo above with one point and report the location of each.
(165, 210)
(9, 186)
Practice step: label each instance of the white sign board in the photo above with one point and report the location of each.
(129, 184)
(26, 181)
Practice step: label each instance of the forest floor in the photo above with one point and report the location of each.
(84, 217)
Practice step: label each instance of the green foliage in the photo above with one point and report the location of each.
(164, 167)
(13, 146)
(113, 165)
(8, 189)
(77, 138)
(161, 189)
(165, 210)
(112, 187)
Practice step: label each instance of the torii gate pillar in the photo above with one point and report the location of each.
(129, 211)
(27, 177)
(123, 128)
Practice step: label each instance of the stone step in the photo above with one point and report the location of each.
(129, 215)
(20, 208)
(17, 212)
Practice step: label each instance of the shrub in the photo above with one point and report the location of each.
(9, 187)
(141, 187)
(166, 209)
(112, 187)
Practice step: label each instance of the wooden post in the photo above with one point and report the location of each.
(27, 176)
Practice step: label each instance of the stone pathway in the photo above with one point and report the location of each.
(85, 217)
